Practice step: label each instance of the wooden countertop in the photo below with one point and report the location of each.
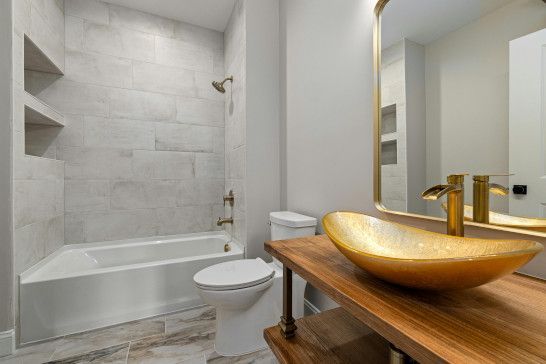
(503, 321)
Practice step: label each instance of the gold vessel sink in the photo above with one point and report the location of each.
(516, 222)
(422, 259)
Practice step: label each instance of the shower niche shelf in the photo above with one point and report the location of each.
(37, 60)
(39, 113)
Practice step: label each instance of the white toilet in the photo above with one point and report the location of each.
(247, 293)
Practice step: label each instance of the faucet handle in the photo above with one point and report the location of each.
(456, 178)
(494, 188)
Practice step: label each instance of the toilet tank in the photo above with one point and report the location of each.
(289, 225)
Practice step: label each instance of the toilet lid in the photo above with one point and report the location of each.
(234, 274)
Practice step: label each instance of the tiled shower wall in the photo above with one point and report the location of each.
(144, 141)
(38, 183)
(235, 116)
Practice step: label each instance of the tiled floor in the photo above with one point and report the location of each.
(185, 337)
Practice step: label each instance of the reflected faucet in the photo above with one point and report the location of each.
(454, 189)
(481, 189)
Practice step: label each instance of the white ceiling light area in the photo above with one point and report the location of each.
(211, 14)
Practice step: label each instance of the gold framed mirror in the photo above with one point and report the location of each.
(460, 88)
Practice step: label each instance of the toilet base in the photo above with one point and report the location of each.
(240, 332)
(242, 316)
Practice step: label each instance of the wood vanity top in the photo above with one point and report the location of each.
(502, 321)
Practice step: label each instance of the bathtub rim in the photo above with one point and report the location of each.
(25, 277)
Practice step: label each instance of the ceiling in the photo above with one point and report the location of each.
(212, 14)
(423, 21)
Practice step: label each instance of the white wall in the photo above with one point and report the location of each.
(467, 96)
(327, 93)
(6, 241)
(262, 115)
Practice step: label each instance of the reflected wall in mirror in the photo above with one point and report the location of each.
(463, 90)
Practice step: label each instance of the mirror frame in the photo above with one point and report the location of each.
(379, 7)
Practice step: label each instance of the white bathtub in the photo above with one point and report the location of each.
(86, 286)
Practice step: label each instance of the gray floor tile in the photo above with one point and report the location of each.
(174, 348)
(183, 320)
(95, 340)
(112, 355)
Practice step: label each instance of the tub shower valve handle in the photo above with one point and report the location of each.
(224, 220)
(230, 197)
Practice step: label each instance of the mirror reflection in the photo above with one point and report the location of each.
(463, 91)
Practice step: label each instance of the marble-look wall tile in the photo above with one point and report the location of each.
(236, 161)
(68, 97)
(21, 17)
(200, 192)
(191, 219)
(132, 195)
(235, 119)
(98, 69)
(96, 163)
(114, 225)
(144, 139)
(47, 35)
(164, 79)
(163, 165)
(74, 231)
(199, 111)
(209, 165)
(235, 34)
(35, 241)
(18, 60)
(37, 200)
(119, 133)
(144, 22)
(53, 15)
(198, 36)
(73, 37)
(93, 11)
(72, 133)
(172, 52)
(87, 195)
(119, 42)
(184, 138)
(30, 167)
(131, 104)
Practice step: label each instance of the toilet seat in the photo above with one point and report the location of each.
(235, 274)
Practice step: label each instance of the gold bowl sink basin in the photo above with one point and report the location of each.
(422, 259)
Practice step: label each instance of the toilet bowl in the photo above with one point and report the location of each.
(247, 293)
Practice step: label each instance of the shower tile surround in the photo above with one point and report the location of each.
(143, 147)
(235, 117)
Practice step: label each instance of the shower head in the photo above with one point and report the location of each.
(219, 86)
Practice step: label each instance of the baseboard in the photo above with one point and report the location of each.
(7, 343)
(310, 307)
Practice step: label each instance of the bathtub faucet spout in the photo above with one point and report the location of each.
(224, 220)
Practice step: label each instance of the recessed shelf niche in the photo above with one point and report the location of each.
(42, 122)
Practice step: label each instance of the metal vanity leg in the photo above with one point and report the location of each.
(287, 324)
(397, 356)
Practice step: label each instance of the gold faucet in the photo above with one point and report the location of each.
(454, 189)
(224, 220)
(481, 189)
